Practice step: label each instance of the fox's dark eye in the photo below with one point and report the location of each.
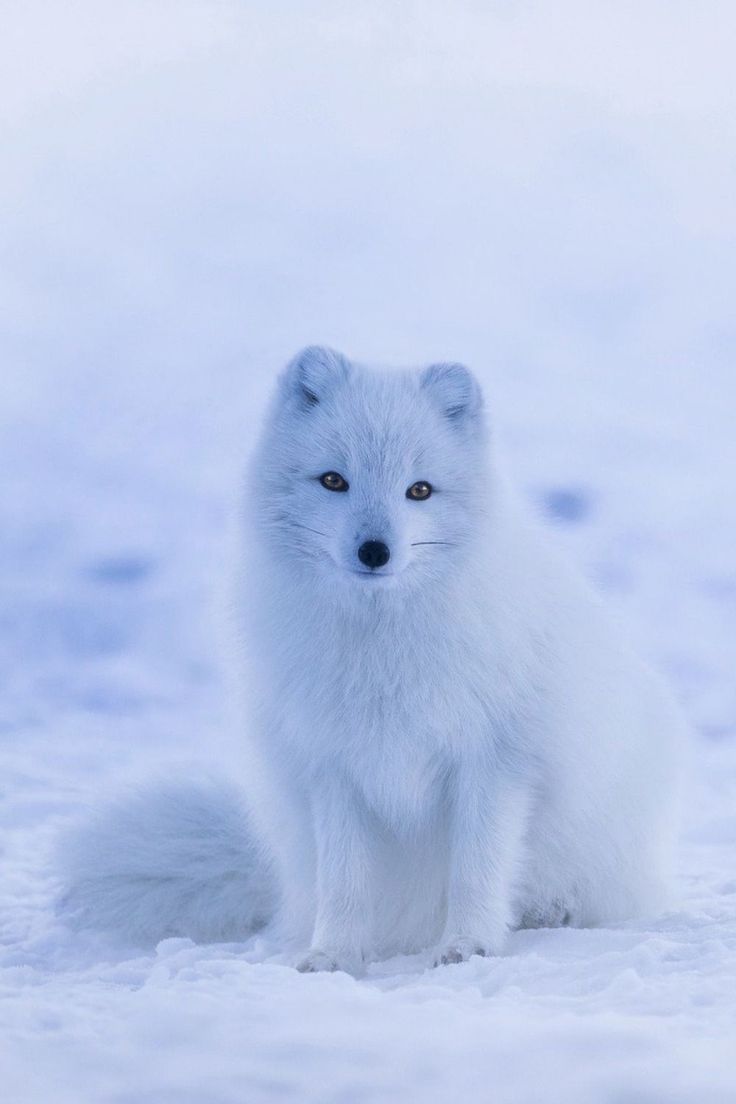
(333, 481)
(419, 491)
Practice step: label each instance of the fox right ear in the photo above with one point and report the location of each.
(455, 389)
(313, 373)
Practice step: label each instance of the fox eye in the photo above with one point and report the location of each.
(419, 491)
(333, 481)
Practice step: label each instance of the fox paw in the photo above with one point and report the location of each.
(320, 962)
(460, 950)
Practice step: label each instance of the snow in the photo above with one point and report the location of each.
(190, 192)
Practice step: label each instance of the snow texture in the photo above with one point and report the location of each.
(192, 191)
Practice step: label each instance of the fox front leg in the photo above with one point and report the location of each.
(487, 825)
(344, 866)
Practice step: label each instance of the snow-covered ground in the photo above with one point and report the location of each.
(190, 191)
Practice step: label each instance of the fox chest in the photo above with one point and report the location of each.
(393, 726)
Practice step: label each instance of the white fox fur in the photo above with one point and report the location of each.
(180, 858)
(440, 747)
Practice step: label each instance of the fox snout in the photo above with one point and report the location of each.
(374, 553)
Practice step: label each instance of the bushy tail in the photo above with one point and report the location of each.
(177, 859)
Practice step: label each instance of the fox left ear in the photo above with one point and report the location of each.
(314, 373)
(455, 389)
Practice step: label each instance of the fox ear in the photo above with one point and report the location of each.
(455, 390)
(313, 373)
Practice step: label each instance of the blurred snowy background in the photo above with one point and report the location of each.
(189, 192)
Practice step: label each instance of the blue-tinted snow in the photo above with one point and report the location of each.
(190, 192)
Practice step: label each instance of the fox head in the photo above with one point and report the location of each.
(368, 478)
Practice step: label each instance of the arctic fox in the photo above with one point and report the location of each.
(447, 737)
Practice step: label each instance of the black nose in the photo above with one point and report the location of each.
(374, 554)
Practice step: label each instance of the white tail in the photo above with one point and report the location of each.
(176, 859)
